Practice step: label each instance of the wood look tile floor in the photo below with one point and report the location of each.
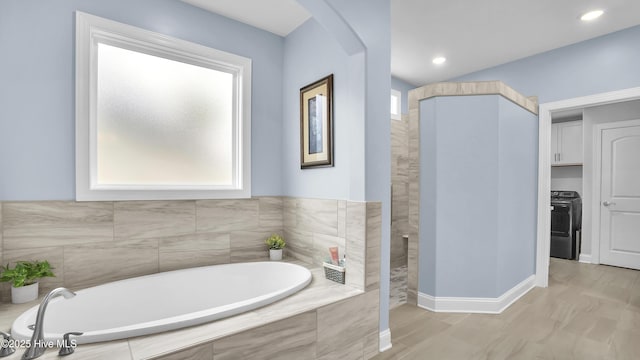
(587, 312)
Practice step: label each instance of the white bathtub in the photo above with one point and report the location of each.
(165, 301)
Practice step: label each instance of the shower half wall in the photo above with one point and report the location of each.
(472, 196)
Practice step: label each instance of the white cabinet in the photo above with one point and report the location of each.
(566, 143)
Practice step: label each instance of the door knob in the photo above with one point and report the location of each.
(607, 203)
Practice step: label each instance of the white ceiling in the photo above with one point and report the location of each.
(471, 34)
(475, 35)
(277, 16)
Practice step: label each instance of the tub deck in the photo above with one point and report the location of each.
(320, 292)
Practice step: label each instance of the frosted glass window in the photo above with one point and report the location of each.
(158, 117)
(162, 122)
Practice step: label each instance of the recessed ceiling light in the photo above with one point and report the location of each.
(591, 15)
(439, 60)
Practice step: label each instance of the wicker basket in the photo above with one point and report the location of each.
(334, 272)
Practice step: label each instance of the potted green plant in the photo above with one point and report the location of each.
(276, 244)
(24, 279)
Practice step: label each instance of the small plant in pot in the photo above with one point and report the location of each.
(24, 279)
(276, 244)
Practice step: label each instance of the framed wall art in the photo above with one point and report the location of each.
(316, 126)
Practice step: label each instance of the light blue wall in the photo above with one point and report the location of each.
(517, 194)
(308, 57)
(358, 55)
(37, 98)
(606, 63)
(603, 64)
(466, 182)
(371, 20)
(37, 90)
(478, 157)
(404, 88)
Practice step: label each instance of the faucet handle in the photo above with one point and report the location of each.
(6, 344)
(68, 348)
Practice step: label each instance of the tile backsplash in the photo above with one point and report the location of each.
(90, 243)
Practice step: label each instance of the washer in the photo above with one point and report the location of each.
(566, 223)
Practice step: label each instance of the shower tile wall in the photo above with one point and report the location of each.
(414, 198)
(400, 191)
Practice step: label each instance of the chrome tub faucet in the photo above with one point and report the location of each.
(37, 344)
(6, 345)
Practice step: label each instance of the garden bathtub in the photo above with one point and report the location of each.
(165, 301)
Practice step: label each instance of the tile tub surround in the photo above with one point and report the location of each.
(313, 225)
(91, 243)
(142, 233)
(323, 321)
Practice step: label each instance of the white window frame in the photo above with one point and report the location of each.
(398, 101)
(91, 30)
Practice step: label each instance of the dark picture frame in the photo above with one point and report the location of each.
(316, 124)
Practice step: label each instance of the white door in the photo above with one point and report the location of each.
(620, 194)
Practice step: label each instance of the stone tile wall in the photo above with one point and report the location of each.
(414, 200)
(90, 243)
(313, 225)
(346, 330)
(400, 190)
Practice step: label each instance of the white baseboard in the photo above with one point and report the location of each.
(585, 258)
(476, 305)
(385, 340)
